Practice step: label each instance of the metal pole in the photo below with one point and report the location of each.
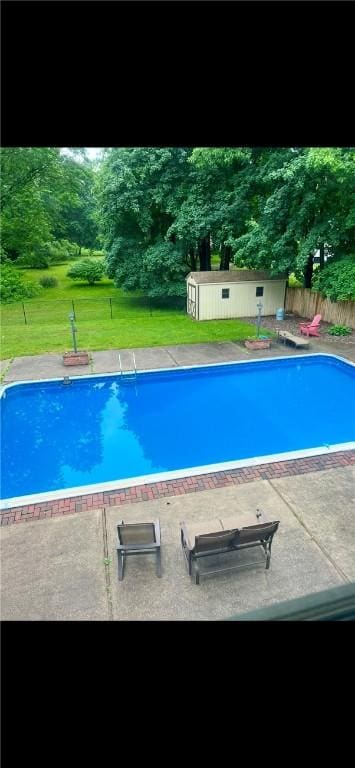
(72, 303)
(258, 320)
(111, 307)
(24, 313)
(73, 330)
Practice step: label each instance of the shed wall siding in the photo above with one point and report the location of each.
(242, 299)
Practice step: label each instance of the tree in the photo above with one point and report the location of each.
(45, 196)
(158, 211)
(89, 270)
(73, 205)
(218, 184)
(337, 280)
(304, 198)
(138, 192)
(25, 222)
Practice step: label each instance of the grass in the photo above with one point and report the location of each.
(66, 288)
(134, 323)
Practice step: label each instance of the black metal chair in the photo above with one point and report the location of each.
(137, 539)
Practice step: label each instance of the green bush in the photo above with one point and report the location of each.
(60, 251)
(32, 261)
(88, 270)
(48, 281)
(339, 330)
(12, 285)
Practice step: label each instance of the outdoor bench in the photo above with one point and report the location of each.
(218, 537)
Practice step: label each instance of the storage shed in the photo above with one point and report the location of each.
(233, 293)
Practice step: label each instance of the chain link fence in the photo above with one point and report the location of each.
(95, 309)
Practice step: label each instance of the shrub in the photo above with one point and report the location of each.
(32, 261)
(89, 270)
(48, 281)
(339, 330)
(60, 251)
(12, 285)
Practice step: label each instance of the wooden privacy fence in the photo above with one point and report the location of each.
(308, 303)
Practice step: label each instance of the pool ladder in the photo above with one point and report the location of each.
(130, 375)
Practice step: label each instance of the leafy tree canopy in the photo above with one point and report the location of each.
(304, 198)
(337, 280)
(159, 212)
(45, 196)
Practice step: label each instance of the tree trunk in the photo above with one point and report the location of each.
(321, 256)
(193, 259)
(204, 252)
(226, 255)
(308, 272)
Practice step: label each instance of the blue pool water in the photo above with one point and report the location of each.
(99, 429)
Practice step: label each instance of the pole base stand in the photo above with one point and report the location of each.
(76, 358)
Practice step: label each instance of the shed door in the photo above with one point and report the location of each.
(191, 300)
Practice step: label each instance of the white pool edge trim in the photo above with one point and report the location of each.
(90, 376)
(159, 477)
(112, 485)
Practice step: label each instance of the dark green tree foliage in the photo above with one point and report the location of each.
(25, 221)
(73, 207)
(337, 280)
(216, 207)
(138, 193)
(45, 196)
(161, 209)
(303, 199)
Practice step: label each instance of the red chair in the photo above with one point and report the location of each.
(311, 329)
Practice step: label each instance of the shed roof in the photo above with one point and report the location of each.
(232, 276)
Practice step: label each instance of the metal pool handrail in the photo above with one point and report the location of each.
(131, 372)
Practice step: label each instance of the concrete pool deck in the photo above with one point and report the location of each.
(107, 361)
(65, 568)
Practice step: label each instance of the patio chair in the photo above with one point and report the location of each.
(311, 329)
(137, 539)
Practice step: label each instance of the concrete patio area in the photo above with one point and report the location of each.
(65, 568)
(49, 366)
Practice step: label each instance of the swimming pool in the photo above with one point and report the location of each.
(105, 432)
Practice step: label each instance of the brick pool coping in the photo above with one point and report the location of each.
(176, 487)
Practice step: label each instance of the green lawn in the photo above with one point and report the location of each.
(67, 288)
(136, 322)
